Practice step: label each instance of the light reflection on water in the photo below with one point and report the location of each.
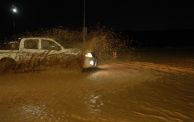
(34, 111)
(94, 103)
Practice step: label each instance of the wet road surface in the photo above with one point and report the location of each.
(116, 92)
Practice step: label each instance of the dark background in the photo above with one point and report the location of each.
(153, 23)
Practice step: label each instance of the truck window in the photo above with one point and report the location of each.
(31, 44)
(49, 45)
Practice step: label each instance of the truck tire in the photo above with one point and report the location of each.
(7, 64)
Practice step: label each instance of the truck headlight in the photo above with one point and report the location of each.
(92, 63)
(89, 55)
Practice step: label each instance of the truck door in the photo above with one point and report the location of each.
(51, 48)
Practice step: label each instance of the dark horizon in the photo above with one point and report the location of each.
(135, 17)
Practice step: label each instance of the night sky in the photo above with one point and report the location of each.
(120, 15)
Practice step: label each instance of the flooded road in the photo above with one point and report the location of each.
(127, 91)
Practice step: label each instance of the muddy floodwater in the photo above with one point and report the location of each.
(153, 88)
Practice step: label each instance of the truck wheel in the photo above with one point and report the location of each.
(7, 64)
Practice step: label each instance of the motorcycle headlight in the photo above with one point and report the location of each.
(89, 55)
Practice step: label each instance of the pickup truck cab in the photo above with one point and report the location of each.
(24, 49)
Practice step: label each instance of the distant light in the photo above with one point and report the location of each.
(14, 9)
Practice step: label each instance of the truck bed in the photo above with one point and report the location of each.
(8, 51)
(9, 46)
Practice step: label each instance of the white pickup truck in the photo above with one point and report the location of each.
(23, 50)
